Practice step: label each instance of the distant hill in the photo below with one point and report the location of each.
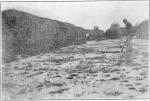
(26, 34)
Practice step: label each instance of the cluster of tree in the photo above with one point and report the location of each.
(95, 34)
(139, 30)
(114, 31)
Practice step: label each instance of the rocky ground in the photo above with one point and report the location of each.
(88, 71)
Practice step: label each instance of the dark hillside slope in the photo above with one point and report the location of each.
(26, 34)
(142, 30)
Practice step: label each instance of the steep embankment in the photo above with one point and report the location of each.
(26, 34)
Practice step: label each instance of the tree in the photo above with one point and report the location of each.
(114, 26)
(114, 31)
(96, 28)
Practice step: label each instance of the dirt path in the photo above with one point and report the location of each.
(88, 71)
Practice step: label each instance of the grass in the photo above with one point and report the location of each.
(105, 70)
(91, 71)
(53, 69)
(35, 74)
(132, 88)
(102, 80)
(74, 75)
(115, 78)
(124, 81)
(56, 60)
(39, 87)
(115, 93)
(60, 60)
(8, 84)
(59, 91)
(109, 52)
(57, 84)
(22, 91)
(107, 75)
(50, 84)
(79, 95)
(27, 67)
(23, 73)
(16, 67)
(137, 83)
(42, 69)
(6, 71)
(114, 70)
(142, 90)
(128, 85)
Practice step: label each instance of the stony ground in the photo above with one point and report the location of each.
(88, 71)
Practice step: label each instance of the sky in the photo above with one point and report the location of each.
(86, 14)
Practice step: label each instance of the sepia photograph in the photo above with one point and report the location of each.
(75, 50)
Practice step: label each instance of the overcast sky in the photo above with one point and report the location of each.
(86, 14)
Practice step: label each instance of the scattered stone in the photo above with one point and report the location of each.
(115, 78)
(70, 77)
(114, 70)
(107, 75)
(132, 88)
(58, 91)
(128, 85)
(102, 80)
(137, 83)
(74, 75)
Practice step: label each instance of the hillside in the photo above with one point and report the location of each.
(25, 34)
(142, 30)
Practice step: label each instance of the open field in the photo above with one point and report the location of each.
(87, 71)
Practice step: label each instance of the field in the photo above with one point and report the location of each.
(87, 71)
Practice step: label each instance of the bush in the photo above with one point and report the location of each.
(115, 31)
(111, 34)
